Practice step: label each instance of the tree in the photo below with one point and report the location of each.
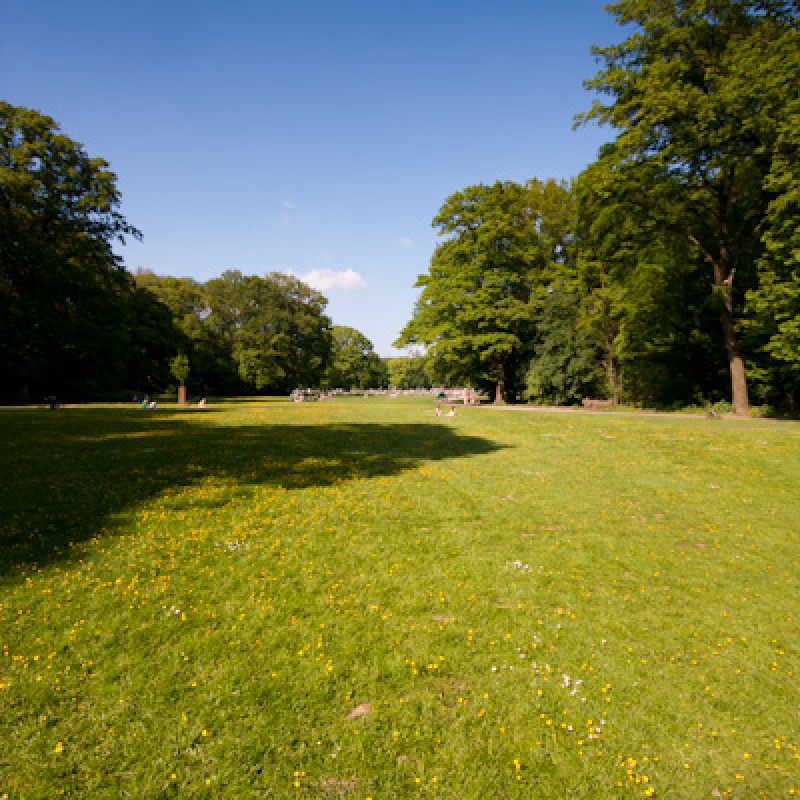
(214, 370)
(354, 362)
(154, 340)
(565, 366)
(62, 288)
(774, 305)
(701, 142)
(474, 313)
(179, 367)
(409, 372)
(645, 296)
(274, 328)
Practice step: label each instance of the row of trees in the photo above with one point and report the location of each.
(77, 325)
(669, 270)
(239, 333)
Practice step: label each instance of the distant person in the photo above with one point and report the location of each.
(438, 410)
(153, 404)
(452, 412)
(202, 403)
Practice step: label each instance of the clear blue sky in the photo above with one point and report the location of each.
(311, 136)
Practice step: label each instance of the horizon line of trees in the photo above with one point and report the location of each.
(667, 273)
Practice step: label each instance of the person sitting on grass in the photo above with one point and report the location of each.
(452, 411)
(438, 410)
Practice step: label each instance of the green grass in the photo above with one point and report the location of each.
(354, 599)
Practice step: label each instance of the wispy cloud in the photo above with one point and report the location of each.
(405, 241)
(322, 280)
(285, 218)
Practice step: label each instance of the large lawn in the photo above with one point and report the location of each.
(356, 599)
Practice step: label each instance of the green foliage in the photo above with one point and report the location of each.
(474, 313)
(213, 369)
(695, 143)
(566, 364)
(273, 327)
(179, 367)
(155, 338)
(354, 364)
(64, 294)
(410, 372)
(245, 333)
(773, 306)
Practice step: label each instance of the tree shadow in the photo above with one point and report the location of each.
(70, 475)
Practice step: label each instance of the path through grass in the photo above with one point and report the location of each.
(355, 599)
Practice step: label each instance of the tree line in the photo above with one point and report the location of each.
(668, 272)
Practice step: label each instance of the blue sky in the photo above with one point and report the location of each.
(313, 136)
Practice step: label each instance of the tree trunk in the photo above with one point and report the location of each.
(500, 390)
(611, 367)
(723, 283)
(740, 399)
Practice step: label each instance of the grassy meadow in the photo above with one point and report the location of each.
(356, 599)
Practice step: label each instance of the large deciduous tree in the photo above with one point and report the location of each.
(475, 311)
(274, 328)
(354, 362)
(566, 364)
(695, 144)
(62, 289)
(774, 305)
(409, 372)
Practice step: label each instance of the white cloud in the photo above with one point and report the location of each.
(347, 280)
(405, 241)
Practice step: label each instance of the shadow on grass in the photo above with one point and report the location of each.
(67, 475)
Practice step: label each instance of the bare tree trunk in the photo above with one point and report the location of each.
(740, 398)
(723, 284)
(611, 368)
(500, 389)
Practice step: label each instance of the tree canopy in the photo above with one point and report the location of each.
(247, 333)
(354, 362)
(695, 143)
(63, 290)
(410, 372)
(474, 313)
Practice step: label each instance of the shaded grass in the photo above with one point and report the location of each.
(531, 605)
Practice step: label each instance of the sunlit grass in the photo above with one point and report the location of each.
(356, 599)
